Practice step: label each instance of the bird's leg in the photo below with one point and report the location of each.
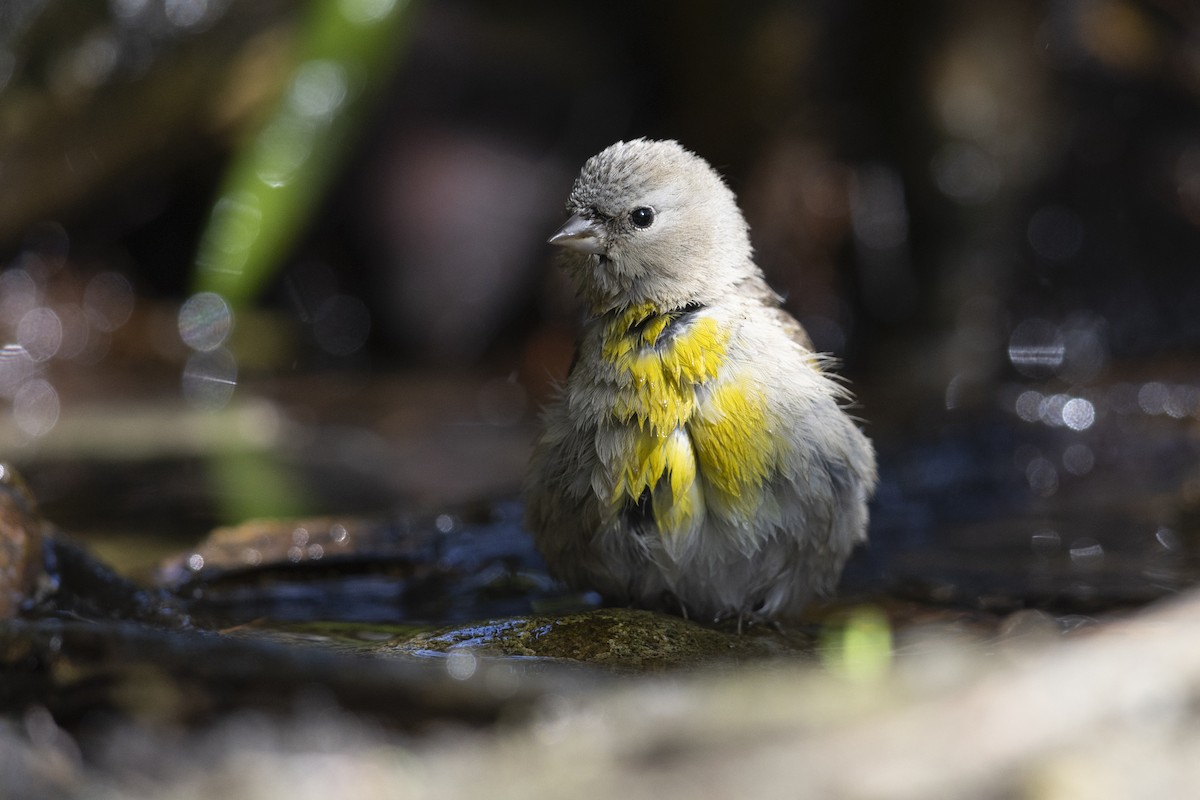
(670, 598)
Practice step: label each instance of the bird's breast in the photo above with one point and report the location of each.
(688, 434)
(658, 360)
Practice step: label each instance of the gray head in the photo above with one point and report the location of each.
(653, 222)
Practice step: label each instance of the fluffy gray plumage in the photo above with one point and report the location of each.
(759, 555)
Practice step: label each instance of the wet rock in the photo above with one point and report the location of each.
(79, 585)
(400, 570)
(20, 544)
(133, 672)
(44, 573)
(267, 543)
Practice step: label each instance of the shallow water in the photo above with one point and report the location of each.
(998, 512)
(975, 510)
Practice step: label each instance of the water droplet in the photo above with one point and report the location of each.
(36, 407)
(15, 368)
(1181, 401)
(1036, 348)
(1029, 405)
(234, 228)
(209, 379)
(1045, 543)
(1051, 411)
(205, 321)
(1042, 477)
(461, 664)
(1086, 553)
(108, 301)
(1152, 397)
(1078, 414)
(444, 523)
(318, 89)
(18, 295)
(195, 562)
(953, 389)
(295, 554)
(40, 332)
(338, 533)
(1168, 538)
(316, 552)
(283, 148)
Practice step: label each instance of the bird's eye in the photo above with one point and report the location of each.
(642, 217)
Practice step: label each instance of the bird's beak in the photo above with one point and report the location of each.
(579, 233)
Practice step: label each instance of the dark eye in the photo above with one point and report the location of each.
(642, 217)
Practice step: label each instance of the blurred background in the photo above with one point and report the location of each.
(276, 258)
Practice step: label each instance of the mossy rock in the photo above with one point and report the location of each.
(615, 638)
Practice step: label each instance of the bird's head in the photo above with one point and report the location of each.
(652, 222)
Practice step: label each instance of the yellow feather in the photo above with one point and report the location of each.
(735, 448)
(678, 494)
(656, 391)
(730, 444)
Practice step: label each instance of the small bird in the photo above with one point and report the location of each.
(698, 458)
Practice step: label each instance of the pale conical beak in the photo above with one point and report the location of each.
(579, 233)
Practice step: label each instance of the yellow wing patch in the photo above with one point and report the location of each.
(736, 448)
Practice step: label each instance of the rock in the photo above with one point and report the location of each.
(21, 560)
(615, 638)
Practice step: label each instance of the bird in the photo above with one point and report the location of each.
(699, 458)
